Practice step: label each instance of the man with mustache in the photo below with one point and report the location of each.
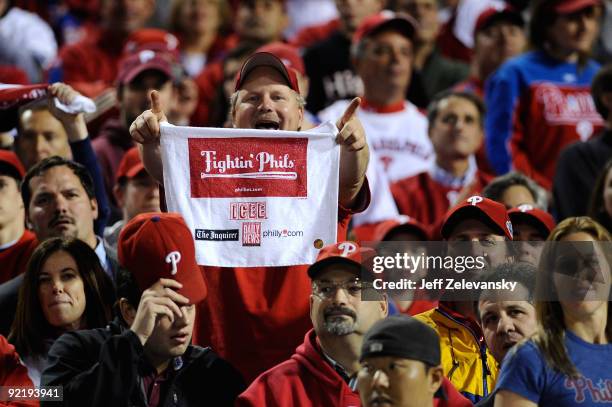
(343, 307)
(268, 304)
(321, 371)
(59, 198)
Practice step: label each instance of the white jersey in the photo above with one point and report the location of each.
(382, 206)
(399, 139)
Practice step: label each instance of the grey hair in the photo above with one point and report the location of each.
(234, 99)
(496, 188)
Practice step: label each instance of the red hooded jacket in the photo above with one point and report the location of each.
(305, 380)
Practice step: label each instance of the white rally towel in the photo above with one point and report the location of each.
(253, 197)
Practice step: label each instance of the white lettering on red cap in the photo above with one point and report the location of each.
(146, 55)
(509, 227)
(174, 258)
(347, 248)
(475, 200)
(525, 207)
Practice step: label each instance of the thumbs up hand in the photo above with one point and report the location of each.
(145, 129)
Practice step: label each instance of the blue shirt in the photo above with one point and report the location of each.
(526, 373)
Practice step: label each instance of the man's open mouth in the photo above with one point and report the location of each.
(267, 125)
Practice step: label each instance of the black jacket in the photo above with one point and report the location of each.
(578, 167)
(100, 367)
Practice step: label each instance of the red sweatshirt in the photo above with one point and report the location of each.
(305, 380)
(425, 199)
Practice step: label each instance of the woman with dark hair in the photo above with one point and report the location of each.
(600, 207)
(540, 101)
(567, 361)
(64, 289)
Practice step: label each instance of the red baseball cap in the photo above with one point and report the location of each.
(259, 59)
(133, 65)
(386, 19)
(571, 6)
(485, 209)
(491, 15)
(342, 252)
(160, 245)
(130, 165)
(401, 223)
(536, 216)
(288, 54)
(11, 159)
(153, 39)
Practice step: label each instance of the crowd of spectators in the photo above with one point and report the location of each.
(462, 121)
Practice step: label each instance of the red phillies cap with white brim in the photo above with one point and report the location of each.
(476, 207)
(346, 252)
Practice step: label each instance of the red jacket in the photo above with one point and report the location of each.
(425, 199)
(13, 373)
(308, 380)
(255, 317)
(15, 258)
(305, 380)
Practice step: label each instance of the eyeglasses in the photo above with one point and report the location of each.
(327, 289)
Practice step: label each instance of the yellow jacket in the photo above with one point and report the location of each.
(466, 361)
